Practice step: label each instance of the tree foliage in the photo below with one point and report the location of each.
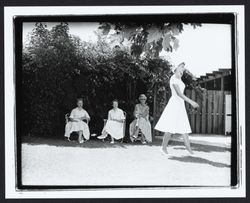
(150, 38)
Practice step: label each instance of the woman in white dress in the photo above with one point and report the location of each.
(174, 119)
(141, 122)
(115, 124)
(76, 123)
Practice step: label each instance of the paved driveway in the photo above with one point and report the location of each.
(57, 162)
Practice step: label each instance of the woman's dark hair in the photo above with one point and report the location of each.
(79, 99)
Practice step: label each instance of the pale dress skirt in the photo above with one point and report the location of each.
(174, 118)
(114, 128)
(145, 127)
(77, 126)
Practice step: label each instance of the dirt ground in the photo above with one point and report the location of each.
(47, 161)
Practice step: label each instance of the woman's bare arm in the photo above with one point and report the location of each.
(184, 97)
(136, 111)
(145, 112)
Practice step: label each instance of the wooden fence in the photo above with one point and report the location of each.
(210, 117)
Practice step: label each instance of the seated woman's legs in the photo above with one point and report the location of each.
(103, 135)
(112, 140)
(80, 137)
(143, 138)
(136, 132)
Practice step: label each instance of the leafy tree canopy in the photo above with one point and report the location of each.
(150, 38)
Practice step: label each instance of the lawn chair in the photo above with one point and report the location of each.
(124, 126)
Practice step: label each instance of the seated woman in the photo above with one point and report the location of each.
(76, 123)
(141, 122)
(115, 124)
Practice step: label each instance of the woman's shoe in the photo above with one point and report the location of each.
(112, 142)
(102, 137)
(164, 152)
(191, 152)
(135, 137)
(144, 142)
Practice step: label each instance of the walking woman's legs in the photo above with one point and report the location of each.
(136, 132)
(187, 143)
(166, 138)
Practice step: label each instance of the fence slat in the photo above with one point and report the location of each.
(215, 111)
(204, 113)
(209, 112)
(198, 116)
(220, 111)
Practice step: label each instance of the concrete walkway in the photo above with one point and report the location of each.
(47, 161)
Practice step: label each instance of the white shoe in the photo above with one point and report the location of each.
(144, 142)
(112, 142)
(163, 152)
(102, 137)
(191, 153)
(135, 137)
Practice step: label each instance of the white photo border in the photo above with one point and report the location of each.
(170, 192)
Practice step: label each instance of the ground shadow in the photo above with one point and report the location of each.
(65, 143)
(92, 143)
(95, 143)
(201, 148)
(192, 159)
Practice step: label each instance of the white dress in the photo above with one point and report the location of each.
(79, 125)
(174, 118)
(114, 128)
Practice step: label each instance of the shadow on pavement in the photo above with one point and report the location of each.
(192, 159)
(93, 143)
(201, 148)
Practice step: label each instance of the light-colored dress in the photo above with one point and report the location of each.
(174, 118)
(141, 114)
(114, 128)
(79, 125)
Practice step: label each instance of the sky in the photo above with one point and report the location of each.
(204, 49)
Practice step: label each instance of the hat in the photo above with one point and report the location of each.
(174, 67)
(142, 96)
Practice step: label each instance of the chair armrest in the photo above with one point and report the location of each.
(67, 118)
(86, 121)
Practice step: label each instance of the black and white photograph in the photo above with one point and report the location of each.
(126, 101)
